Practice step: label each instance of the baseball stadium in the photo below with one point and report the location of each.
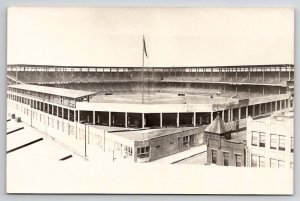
(144, 113)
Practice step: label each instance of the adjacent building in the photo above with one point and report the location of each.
(270, 140)
(267, 142)
(225, 145)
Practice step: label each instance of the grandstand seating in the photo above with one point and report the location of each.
(166, 81)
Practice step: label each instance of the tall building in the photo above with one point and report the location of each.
(270, 140)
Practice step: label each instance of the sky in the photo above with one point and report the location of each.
(174, 37)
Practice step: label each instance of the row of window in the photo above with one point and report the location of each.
(44, 107)
(225, 159)
(259, 161)
(128, 150)
(277, 142)
(51, 98)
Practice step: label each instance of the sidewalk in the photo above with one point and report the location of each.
(182, 155)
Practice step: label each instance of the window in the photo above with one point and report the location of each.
(128, 150)
(185, 140)
(281, 164)
(254, 160)
(273, 141)
(254, 138)
(226, 158)
(143, 150)
(157, 147)
(273, 163)
(238, 160)
(262, 139)
(281, 142)
(292, 144)
(261, 161)
(214, 156)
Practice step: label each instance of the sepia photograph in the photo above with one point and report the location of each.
(150, 100)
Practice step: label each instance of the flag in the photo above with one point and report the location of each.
(144, 47)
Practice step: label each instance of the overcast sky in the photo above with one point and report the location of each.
(174, 37)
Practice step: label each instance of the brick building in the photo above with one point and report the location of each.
(225, 146)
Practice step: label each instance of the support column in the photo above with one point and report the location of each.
(194, 119)
(275, 105)
(109, 118)
(211, 117)
(259, 113)
(126, 120)
(78, 116)
(177, 120)
(143, 120)
(249, 75)
(68, 115)
(223, 114)
(271, 107)
(160, 120)
(280, 105)
(263, 74)
(94, 117)
(239, 117)
(74, 115)
(247, 112)
(279, 77)
(231, 114)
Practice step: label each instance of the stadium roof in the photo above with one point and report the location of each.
(70, 93)
(188, 66)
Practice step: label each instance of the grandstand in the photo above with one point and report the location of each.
(65, 98)
(228, 80)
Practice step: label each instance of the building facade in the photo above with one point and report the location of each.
(225, 146)
(270, 140)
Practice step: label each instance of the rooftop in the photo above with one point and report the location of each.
(140, 135)
(70, 93)
(218, 126)
(161, 98)
(239, 136)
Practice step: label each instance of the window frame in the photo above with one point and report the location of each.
(262, 143)
(255, 138)
(274, 141)
(225, 158)
(236, 160)
(252, 159)
(214, 156)
(281, 141)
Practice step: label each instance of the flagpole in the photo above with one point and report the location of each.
(143, 71)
